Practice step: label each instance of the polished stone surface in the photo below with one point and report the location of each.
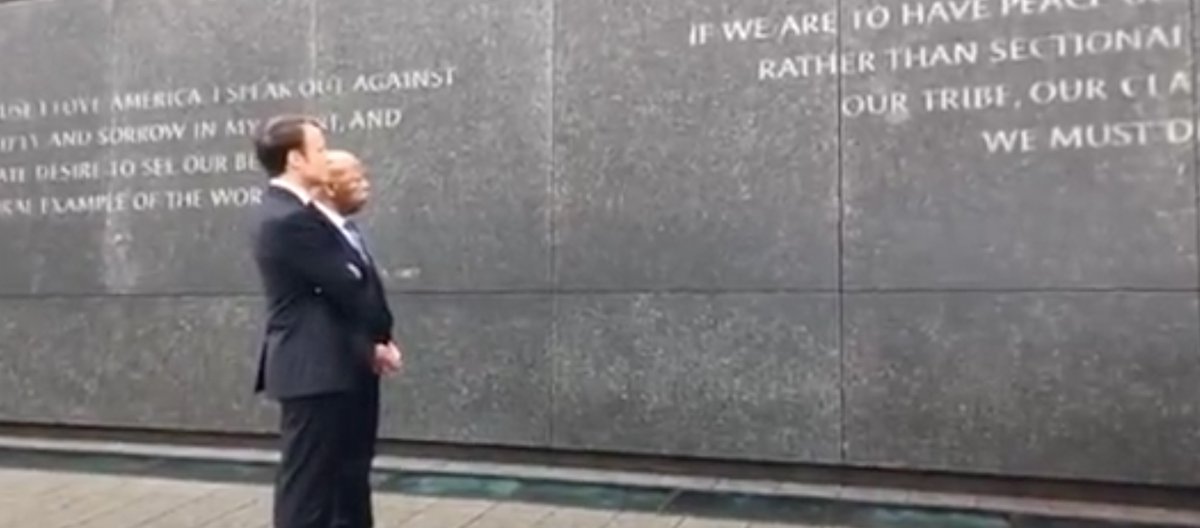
(199, 243)
(701, 375)
(141, 362)
(458, 141)
(477, 370)
(927, 206)
(462, 183)
(676, 168)
(621, 225)
(1086, 385)
(61, 51)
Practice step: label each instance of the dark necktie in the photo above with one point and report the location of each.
(356, 240)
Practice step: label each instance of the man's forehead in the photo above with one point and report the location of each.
(313, 133)
(340, 160)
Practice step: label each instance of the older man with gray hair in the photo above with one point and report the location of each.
(345, 194)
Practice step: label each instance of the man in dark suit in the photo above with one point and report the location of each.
(323, 337)
(344, 195)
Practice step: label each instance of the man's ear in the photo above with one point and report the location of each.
(294, 158)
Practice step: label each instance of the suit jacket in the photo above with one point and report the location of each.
(377, 318)
(325, 307)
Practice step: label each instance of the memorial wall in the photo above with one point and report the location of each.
(924, 234)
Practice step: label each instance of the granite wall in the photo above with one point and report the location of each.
(928, 234)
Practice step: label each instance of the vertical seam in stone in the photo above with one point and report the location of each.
(116, 277)
(552, 218)
(1195, 148)
(841, 218)
(312, 49)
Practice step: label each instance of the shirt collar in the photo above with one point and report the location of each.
(333, 216)
(287, 185)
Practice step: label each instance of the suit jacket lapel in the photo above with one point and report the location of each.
(357, 259)
(341, 237)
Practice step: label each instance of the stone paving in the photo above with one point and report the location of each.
(47, 499)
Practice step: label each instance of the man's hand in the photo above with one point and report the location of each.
(397, 355)
(388, 359)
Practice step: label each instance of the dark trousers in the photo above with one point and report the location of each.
(328, 443)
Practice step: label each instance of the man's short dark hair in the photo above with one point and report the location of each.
(278, 136)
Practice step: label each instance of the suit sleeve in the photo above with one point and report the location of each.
(307, 247)
(383, 334)
(381, 327)
(388, 320)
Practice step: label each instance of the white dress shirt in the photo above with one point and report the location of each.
(334, 217)
(342, 224)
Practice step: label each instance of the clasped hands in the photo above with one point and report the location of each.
(388, 359)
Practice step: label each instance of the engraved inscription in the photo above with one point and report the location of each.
(63, 175)
(787, 54)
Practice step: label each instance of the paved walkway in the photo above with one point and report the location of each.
(69, 500)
